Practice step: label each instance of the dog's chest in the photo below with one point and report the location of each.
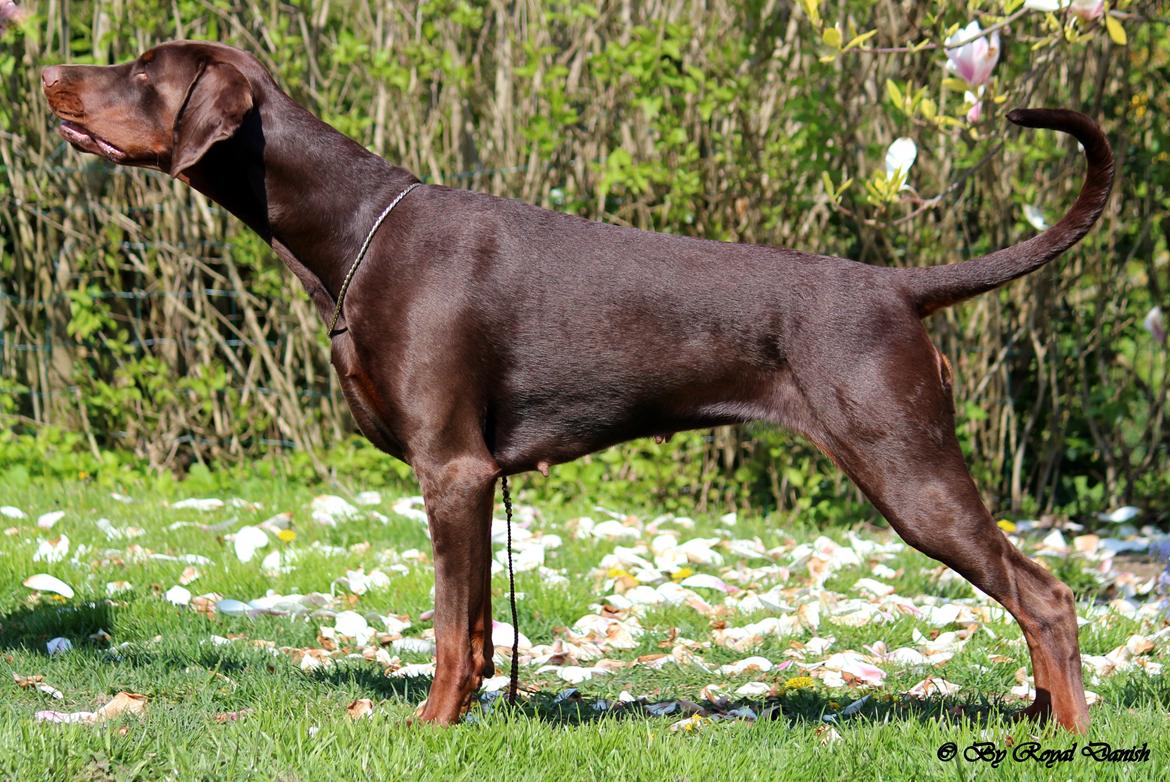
(371, 411)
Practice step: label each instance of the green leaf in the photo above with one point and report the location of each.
(860, 39)
(812, 10)
(1116, 31)
(832, 37)
(894, 94)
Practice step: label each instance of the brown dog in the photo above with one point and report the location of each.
(484, 337)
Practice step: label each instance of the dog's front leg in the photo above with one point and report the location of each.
(458, 494)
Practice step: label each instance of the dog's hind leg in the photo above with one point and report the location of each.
(888, 420)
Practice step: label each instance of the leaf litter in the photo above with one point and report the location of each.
(646, 565)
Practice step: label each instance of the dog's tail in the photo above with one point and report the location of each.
(935, 287)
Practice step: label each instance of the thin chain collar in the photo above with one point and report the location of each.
(361, 255)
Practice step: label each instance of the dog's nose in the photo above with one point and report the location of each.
(51, 75)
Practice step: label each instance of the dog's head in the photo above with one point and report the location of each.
(164, 110)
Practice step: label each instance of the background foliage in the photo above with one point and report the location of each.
(143, 326)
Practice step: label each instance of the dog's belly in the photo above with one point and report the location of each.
(560, 425)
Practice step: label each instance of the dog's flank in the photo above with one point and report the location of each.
(487, 337)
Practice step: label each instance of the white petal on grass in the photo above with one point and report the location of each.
(49, 690)
(47, 520)
(275, 564)
(43, 582)
(1053, 543)
(748, 664)
(187, 559)
(178, 595)
(108, 529)
(931, 686)
(753, 690)
(351, 624)
(875, 588)
(411, 508)
(247, 541)
(644, 595)
(503, 635)
(850, 665)
(368, 498)
(701, 551)
(58, 645)
(614, 530)
(495, 684)
(1121, 515)
(53, 550)
(231, 607)
(12, 512)
(619, 602)
(907, 657)
(64, 717)
(706, 581)
(413, 645)
(122, 703)
(396, 625)
(200, 504)
(114, 587)
(328, 509)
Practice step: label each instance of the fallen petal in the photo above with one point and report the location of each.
(204, 504)
(247, 541)
(47, 520)
(178, 595)
(362, 707)
(58, 645)
(43, 582)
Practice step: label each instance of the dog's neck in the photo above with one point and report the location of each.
(283, 174)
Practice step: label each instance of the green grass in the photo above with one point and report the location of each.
(292, 725)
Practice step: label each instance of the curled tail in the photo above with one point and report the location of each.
(935, 287)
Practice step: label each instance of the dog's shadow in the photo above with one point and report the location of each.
(804, 708)
(29, 628)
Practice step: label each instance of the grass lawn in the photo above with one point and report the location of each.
(869, 657)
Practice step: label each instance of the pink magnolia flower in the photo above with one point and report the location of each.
(976, 111)
(1085, 9)
(9, 14)
(1088, 9)
(975, 59)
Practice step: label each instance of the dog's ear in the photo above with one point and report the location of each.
(216, 103)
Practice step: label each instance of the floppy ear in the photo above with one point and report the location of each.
(216, 103)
